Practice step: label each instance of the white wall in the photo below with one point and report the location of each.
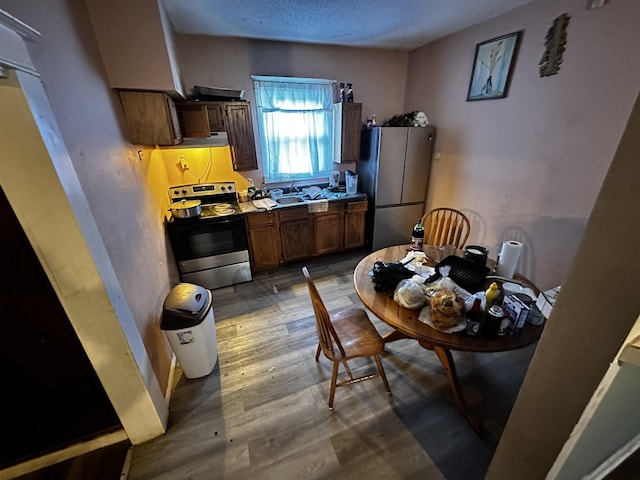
(594, 314)
(378, 76)
(121, 189)
(529, 166)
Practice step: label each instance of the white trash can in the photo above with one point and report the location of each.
(187, 321)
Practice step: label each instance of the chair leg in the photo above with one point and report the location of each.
(334, 380)
(346, 367)
(318, 353)
(382, 374)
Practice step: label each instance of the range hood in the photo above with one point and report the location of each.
(216, 139)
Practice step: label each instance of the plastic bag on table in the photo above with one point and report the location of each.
(410, 294)
(386, 276)
(446, 308)
(446, 282)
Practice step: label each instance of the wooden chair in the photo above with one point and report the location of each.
(345, 335)
(445, 226)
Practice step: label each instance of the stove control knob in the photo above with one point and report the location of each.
(184, 192)
(223, 187)
(176, 192)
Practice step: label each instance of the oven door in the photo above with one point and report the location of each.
(211, 252)
(196, 241)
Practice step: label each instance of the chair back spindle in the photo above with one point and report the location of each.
(445, 226)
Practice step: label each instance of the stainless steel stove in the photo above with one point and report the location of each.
(211, 250)
(218, 198)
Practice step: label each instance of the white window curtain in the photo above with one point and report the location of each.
(296, 121)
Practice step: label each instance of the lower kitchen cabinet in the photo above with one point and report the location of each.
(354, 219)
(292, 234)
(296, 233)
(328, 229)
(264, 240)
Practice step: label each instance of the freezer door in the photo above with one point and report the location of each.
(391, 148)
(393, 225)
(417, 164)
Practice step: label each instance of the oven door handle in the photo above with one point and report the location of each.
(229, 220)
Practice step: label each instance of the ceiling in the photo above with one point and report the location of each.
(388, 24)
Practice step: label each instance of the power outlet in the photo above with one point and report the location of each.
(183, 163)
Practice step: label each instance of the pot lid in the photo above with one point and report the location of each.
(185, 204)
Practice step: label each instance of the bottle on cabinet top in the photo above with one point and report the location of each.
(349, 94)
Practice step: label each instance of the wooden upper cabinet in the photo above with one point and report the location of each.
(194, 120)
(351, 126)
(151, 118)
(201, 119)
(216, 114)
(240, 131)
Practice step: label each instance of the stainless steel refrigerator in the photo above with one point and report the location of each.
(394, 172)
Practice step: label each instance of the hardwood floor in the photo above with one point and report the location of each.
(262, 413)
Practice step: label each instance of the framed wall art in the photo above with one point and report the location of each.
(492, 67)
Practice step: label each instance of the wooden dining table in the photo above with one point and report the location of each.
(406, 324)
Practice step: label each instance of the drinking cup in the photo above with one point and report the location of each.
(352, 183)
(437, 253)
(275, 193)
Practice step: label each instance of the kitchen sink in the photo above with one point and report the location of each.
(289, 200)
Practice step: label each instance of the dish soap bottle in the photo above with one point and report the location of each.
(417, 236)
(491, 294)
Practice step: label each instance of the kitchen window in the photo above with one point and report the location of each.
(297, 124)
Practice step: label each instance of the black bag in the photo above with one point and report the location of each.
(386, 276)
(469, 275)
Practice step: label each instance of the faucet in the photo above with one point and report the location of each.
(291, 186)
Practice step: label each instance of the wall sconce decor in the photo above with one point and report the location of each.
(554, 44)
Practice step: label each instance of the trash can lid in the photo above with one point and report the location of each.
(185, 306)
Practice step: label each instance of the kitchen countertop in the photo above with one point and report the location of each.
(249, 207)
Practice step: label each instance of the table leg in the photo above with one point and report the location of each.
(444, 354)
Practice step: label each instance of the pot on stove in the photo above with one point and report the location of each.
(185, 209)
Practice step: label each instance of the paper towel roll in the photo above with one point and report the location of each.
(509, 255)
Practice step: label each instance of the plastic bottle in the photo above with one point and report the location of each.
(474, 318)
(343, 94)
(417, 236)
(491, 294)
(349, 93)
